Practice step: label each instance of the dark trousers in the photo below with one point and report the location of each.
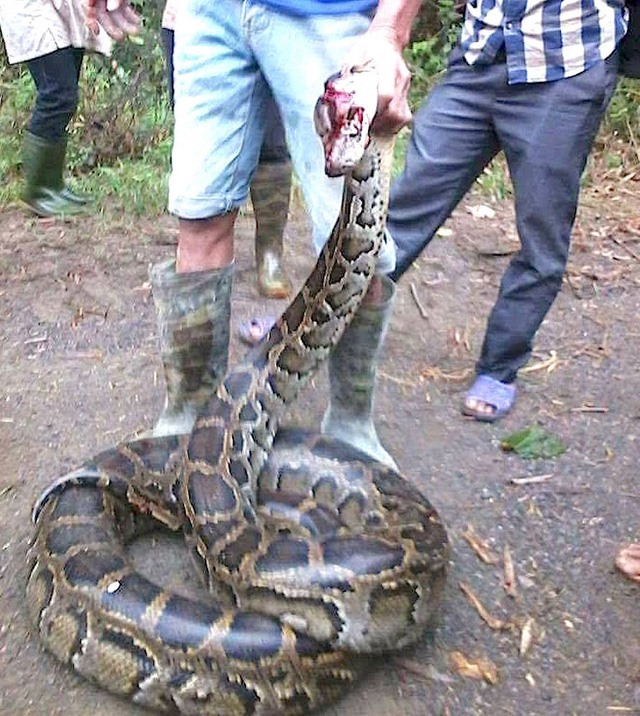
(546, 131)
(56, 76)
(274, 146)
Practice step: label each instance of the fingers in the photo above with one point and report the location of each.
(393, 104)
(380, 50)
(116, 17)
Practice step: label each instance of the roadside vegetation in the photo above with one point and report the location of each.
(120, 138)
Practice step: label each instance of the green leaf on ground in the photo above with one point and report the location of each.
(532, 443)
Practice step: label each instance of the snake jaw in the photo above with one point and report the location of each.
(343, 118)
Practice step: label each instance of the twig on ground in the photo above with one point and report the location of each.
(589, 409)
(395, 379)
(424, 671)
(414, 293)
(533, 480)
(479, 546)
(493, 622)
(623, 245)
(510, 578)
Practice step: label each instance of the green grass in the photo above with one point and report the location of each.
(120, 138)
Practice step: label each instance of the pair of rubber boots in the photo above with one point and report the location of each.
(45, 192)
(193, 322)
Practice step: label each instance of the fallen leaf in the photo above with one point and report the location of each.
(533, 443)
(481, 669)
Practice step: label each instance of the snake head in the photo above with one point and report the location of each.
(343, 117)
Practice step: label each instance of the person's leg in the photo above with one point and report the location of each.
(270, 197)
(219, 96)
(297, 55)
(45, 143)
(453, 139)
(219, 125)
(167, 46)
(547, 131)
(451, 142)
(56, 79)
(67, 191)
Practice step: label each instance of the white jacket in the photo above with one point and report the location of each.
(32, 28)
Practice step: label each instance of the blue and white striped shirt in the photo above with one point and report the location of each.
(544, 40)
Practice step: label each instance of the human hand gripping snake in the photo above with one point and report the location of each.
(315, 555)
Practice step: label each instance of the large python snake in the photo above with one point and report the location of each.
(315, 555)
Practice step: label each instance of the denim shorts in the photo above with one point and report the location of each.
(228, 53)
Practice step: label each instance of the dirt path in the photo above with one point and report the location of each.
(79, 370)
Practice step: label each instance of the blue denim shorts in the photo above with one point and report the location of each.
(228, 53)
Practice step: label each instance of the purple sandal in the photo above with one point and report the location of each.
(500, 396)
(253, 331)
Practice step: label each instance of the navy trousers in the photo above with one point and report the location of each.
(56, 76)
(546, 131)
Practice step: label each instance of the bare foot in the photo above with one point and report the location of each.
(628, 561)
(479, 407)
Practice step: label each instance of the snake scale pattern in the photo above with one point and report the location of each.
(315, 555)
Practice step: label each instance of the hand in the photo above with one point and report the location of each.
(116, 17)
(379, 47)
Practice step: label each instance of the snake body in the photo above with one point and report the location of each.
(314, 554)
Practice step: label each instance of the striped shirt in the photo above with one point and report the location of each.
(544, 40)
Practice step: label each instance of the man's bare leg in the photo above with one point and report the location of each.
(192, 296)
(205, 244)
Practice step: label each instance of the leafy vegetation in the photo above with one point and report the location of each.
(120, 138)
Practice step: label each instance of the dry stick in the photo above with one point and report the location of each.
(418, 669)
(510, 579)
(493, 622)
(534, 479)
(414, 293)
(589, 409)
(625, 247)
(479, 546)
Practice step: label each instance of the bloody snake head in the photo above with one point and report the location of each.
(343, 116)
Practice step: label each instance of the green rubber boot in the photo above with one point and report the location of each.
(45, 192)
(193, 311)
(270, 194)
(352, 379)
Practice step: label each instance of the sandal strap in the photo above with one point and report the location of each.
(493, 392)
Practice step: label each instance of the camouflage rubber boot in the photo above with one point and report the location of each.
(270, 195)
(45, 192)
(193, 324)
(352, 379)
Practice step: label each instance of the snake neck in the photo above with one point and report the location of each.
(231, 439)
